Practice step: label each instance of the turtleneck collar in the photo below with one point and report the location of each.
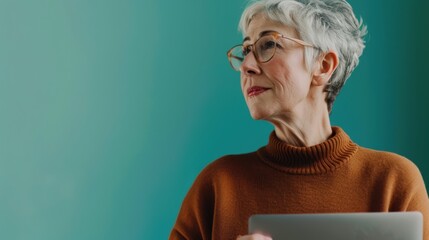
(321, 158)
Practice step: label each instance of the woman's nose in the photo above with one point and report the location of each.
(250, 65)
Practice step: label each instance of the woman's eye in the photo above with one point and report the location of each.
(268, 45)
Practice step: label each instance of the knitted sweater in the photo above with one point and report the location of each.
(334, 176)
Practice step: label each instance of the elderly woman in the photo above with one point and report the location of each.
(295, 57)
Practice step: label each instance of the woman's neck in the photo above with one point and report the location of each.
(303, 129)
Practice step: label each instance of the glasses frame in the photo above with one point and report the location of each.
(276, 36)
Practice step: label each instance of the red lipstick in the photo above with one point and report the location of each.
(255, 90)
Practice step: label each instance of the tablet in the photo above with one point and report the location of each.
(340, 226)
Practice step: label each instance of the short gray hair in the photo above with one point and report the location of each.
(327, 24)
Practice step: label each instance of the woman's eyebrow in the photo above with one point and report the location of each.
(263, 33)
(246, 39)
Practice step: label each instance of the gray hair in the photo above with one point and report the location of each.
(327, 24)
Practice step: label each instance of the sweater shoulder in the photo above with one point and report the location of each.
(228, 164)
(387, 161)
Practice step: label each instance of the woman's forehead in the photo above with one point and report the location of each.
(261, 23)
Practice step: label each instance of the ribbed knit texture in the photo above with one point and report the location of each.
(334, 176)
(317, 159)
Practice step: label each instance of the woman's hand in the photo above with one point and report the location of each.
(255, 236)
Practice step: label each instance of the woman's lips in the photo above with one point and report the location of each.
(256, 90)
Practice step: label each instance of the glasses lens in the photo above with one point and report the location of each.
(236, 57)
(265, 48)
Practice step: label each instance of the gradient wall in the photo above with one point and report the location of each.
(109, 109)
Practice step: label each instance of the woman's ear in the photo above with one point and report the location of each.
(326, 66)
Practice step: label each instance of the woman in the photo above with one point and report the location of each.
(295, 57)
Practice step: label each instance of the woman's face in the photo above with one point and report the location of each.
(279, 87)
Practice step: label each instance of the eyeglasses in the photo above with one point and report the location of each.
(264, 49)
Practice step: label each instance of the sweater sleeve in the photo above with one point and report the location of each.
(409, 193)
(195, 217)
(419, 200)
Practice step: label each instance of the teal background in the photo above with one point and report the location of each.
(109, 109)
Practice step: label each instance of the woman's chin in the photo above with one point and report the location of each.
(258, 115)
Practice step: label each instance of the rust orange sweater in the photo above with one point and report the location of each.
(334, 176)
